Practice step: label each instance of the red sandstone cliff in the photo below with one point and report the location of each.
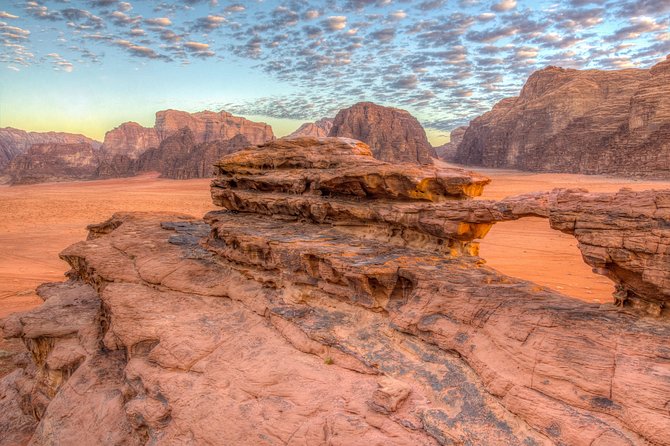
(53, 162)
(566, 120)
(14, 142)
(394, 135)
(131, 139)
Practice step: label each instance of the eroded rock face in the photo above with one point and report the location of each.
(318, 129)
(448, 151)
(131, 139)
(336, 300)
(54, 162)
(181, 157)
(393, 134)
(590, 121)
(14, 142)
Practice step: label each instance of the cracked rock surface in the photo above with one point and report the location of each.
(349, 309)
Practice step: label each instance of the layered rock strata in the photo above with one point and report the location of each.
(14, 142)
(322, 307)
(590, 121)
(131, 139)
(394, 135)
(54, 162)
(180, 157)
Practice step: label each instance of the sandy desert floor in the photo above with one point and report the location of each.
(38, 221)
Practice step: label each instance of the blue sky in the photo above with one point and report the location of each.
(88, 65)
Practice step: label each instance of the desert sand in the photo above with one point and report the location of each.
(38, 221)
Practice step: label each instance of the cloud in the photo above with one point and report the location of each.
(158, 21)
(6, 15)
(199, 49)
(139, 50)
(384, 35)
(209, 23)
(504, 5)
(235, 8)
(638, 26)
(336, 23)
(397, 15)
(41, 12)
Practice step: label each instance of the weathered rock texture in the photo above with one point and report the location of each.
(131, 139)
(393, 134)
(53, 162)
(448, 151)
(329, 304)
(319, 128)
(181, 158)
(14, 142)
(591, 121)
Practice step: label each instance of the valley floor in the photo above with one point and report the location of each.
(38, 221)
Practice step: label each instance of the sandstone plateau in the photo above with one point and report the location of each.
(339, 299)
(393, 135)
(590, 121)
(131, 139)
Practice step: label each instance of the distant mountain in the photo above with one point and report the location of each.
(394, 135)
(179, 156)
(131, 139)
(317, 129)
(54, 162)
(181, 145)
(14, 142)
(578, 121)
(447, 152)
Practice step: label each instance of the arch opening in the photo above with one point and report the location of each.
(530, 249)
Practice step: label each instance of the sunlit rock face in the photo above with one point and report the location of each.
(578, 121)
(394, 135)
(53, 162)
(339, 299)
(131, 139)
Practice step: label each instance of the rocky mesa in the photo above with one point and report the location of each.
(394, 135)
(339, 299)
(54, 162)
(578, 121)
(14, 142)
(131, 139)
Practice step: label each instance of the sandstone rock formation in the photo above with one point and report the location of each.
(14, 142)
(393, 134)
(319, 128)
(181, 158)
(447, 152)
(131, 139)
(339, 300)
(591, 121)
(53, 162)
